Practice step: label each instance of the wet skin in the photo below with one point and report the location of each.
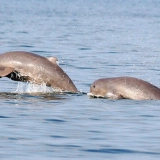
(124, 87)
(30, 67)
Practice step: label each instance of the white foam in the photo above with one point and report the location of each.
(108, 95)
(111, 96)
(34, 88)
(92, 95)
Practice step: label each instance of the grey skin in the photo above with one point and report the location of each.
(124, 87)
(29, 67)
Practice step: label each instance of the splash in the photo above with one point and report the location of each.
(34, 88)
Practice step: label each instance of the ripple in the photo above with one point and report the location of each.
(113, 52)
(5, 117)
(119, 151)
(64, 146)
(85, 48)
(56, 136)
(28, 46)
(147, 116)
(55, 120)
(23, 32)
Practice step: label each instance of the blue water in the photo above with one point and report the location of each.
(91, 39)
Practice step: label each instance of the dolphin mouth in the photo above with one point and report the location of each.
(95, 96)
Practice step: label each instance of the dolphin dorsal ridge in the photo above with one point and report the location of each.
(53, 60)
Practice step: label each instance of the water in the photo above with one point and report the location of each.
(91, 39)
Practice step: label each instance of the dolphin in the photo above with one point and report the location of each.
(124, 87)
(33, 68)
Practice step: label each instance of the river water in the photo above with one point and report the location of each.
(91, 39)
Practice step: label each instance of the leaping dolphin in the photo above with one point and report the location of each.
(30, 67)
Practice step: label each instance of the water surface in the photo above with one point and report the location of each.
(92, 39)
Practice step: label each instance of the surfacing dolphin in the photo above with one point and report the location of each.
(30, 67)
(124, 87)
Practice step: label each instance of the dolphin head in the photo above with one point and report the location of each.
(97, 89)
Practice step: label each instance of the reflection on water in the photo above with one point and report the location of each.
(33, 96)
(27, 91)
